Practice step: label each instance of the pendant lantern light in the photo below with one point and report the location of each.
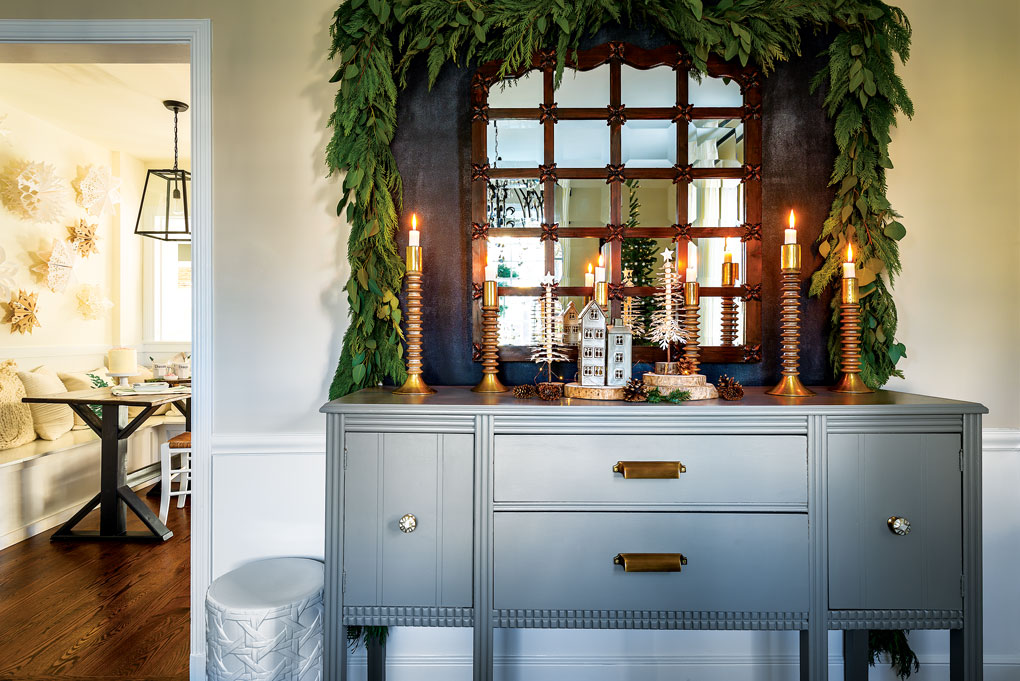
(163, 213)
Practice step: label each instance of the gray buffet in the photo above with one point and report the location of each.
(843, 512)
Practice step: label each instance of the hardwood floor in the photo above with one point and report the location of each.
(97, 611)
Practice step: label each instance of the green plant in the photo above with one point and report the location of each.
(894, 644)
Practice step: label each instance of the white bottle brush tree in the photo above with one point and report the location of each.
(667, 319)
(548, 346)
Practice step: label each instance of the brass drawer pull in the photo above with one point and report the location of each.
(650, 562)
(650, 469)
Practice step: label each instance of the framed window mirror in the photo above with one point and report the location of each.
(629, 156)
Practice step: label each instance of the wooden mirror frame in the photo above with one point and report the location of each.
(682, 174)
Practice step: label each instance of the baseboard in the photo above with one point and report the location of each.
(650, 668)
(196, 666)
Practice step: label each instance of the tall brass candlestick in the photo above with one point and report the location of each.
(790, 385)
(490, 382)
(692, 311)
(415, 384)
(850, 329)
(728, 330)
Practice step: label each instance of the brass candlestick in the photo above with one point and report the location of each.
(850, 327)
(602, 295)
(490, 382)
(415, 384)
(790, 385)
(728, 332)
(692, 310)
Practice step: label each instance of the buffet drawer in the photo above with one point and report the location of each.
(735, 561)
(720, 469)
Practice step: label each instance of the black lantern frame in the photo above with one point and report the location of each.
(176, 181)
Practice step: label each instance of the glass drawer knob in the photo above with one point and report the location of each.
(898, 526)
(408, 523)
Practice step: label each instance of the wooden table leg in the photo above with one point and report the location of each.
(114, 497)
(112, 513)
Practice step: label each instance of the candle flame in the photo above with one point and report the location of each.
(849, 252)
(726, 244)
(793, 220)
(414, 221)
(590, 270)
(600, 260)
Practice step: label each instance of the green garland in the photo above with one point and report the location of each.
(375, 41)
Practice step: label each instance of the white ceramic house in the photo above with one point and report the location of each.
(618, 353)
(591, 352)
(571, 325)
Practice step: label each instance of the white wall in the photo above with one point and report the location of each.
(65, 340)
(280, 260)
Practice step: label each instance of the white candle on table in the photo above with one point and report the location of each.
(490, 269)
(692, 264)
(589, 278)
(123, 361)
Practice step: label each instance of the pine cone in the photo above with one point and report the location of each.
(729, 388)
(524, 392)
(685, 366)
(550, 390)
(635, 390)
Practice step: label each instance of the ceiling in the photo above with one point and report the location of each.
(116, 105)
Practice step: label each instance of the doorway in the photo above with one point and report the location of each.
(132, 43)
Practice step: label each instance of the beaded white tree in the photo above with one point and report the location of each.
(548, 332)
(667, 319)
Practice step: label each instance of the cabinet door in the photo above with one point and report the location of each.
(428, 476)
(872, 477)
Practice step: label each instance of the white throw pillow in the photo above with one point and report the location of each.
(83, 381)
(15, 416)
(50, 420)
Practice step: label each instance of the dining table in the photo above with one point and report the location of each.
(115, 496)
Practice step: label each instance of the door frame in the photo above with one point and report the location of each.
(197, 34)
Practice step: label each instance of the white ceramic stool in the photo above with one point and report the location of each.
(264, 621)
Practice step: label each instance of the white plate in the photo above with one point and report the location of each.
(150, 387)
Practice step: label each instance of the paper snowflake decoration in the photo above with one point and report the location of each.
(21, 312)
(7, 271)
(92, 304)
(33, 191)
(83, 238)
(56, 266)
(98, 191)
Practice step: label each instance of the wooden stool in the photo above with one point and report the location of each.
(179, 444)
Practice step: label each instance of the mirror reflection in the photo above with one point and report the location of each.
(586, 201)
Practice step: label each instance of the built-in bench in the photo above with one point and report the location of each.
(43, 482)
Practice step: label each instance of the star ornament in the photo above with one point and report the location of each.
(98, 191)
(92, 304)
(667, 255)
(21, 312)
(56, 267)
(83, 238)
(548, 280)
